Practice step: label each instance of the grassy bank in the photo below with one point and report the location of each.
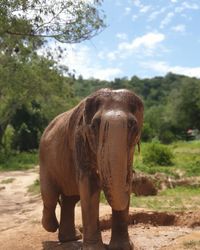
(186, 160)
(18, 161)
(176, 199)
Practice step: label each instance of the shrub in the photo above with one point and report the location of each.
(167, 137)
(18, 161)
(147, 132)
(158, 154)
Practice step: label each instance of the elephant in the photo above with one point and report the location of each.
(83, 151)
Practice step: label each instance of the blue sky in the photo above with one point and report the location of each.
(144, 38)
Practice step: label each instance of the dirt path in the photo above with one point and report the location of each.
(20, 229)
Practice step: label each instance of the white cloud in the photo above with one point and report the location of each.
(187, 6)
(142, 8)
(156, 13)
(174, 1)
(122, 36)
(134, 17)
(104, 73)
(127, 10)
(80, 59)
(143, 45)
(145, 8)
(167, 20)
(163, 68)
(149, 41)
(179, 28)
(137, 3)
(112, 56)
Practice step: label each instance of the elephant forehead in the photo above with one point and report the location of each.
(114, 115)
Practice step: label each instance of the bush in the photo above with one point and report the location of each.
(167, 137)
(18, 161)
(7, 140)
(157, 154)
(147, 132)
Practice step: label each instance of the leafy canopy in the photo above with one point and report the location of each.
(65, 20)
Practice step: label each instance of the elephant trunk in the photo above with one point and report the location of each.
(113, 160)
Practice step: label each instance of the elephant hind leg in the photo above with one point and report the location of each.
(67, 229)
(50, 196)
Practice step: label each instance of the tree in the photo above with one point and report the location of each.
(184, 105)
(27, 77)
(64, 20)
(38, 81)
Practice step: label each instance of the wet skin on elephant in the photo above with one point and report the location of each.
(83, 151)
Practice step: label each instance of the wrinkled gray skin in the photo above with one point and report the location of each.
(83, 151)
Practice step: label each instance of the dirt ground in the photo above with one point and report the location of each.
(20, 228)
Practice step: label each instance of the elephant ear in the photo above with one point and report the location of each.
(137, 109)
(140, 122)
(91, 107)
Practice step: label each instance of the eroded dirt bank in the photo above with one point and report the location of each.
(20, 227)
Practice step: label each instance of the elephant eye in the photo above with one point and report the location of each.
(131, 123)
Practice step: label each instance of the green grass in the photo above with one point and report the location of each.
(176, 199)
(192, 244)
(19, 161)
(7, 181)
(35, 187)
(186, 160)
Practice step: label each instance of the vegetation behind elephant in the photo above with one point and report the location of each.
(83, 151)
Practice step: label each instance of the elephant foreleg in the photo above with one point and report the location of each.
(67, 230)
(50, 198)
(120, 238)
(89, 193)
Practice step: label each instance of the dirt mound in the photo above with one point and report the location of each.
(143, 185)
(163, 181)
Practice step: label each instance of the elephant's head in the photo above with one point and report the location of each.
(112, 125)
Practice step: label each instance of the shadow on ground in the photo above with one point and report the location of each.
(52, 245)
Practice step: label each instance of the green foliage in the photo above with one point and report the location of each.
(176, 199)
(35, 187)
(167, 136)
(158, 154)
(181, 190)
(28, 122)
(32, 94)
(18, 161)
(186, 160)
(27, 78)
(148, 133)
(191, 244)
(7, 181)
(103, 198)
(7, 140)
(66, 21)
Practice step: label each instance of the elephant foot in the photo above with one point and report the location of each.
(94, 246)
(71, 236)
(121, 245)
(49, 221)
